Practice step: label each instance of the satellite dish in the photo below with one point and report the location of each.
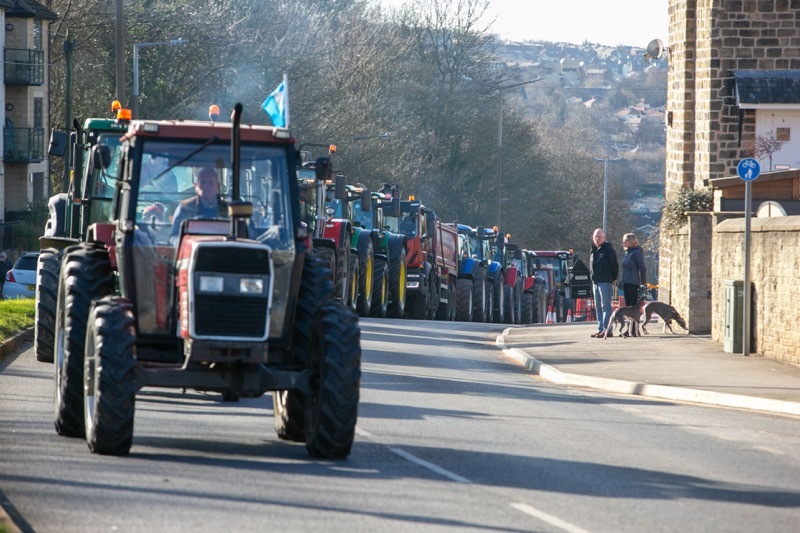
(655, 49)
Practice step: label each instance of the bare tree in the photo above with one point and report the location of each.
(766, 145)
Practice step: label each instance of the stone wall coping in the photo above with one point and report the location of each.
(736, 225)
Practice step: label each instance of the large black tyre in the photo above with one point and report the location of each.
(289, 405)
(489, 302)
(479, 296)
(526, 316)
(366, 274)
(464, 300)
(85, 276)
(539, 304)
(47, 272)
(499, 312)
(420, 302)
(561, 308)
(352, 283)
(332, 410)
(380, 289)
(510, 305)
(397, 286)
(330, 258)
(110, 376)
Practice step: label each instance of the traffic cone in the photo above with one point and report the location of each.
(569, 315)
(551, 316)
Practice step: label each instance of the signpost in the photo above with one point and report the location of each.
(748, 169)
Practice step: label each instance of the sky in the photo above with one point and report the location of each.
(610, 22)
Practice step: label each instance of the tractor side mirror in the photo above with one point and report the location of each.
(323, 168)
(366, 201)
(340, 187)
(395, 209)
(101, 156)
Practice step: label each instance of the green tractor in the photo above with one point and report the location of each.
(88, 200)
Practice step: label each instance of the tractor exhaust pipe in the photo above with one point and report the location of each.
(239, 211)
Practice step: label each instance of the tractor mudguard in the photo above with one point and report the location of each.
(467, 267)
(395, 245)
(511, 276)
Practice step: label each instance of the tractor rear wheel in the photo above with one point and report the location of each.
(539, 304)
(479, 296)
(49, 268)
(366, 271)
(464, 300)
(380, 289)
(397, 286)
(289, 406)
(332, 410)
(526, 316)
(499, 312)
(510, 307)
(110, 376)
(85, 276)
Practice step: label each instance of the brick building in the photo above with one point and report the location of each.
(734, 74)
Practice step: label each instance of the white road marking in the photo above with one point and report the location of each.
(416, 460)
(548, 518)
(430, 466)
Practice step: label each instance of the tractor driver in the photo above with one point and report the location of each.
(206, 204)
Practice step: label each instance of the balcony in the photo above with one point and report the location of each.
(23, 145)
(24, 67)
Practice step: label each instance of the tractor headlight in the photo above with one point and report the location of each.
(251, 286)
(211, 283)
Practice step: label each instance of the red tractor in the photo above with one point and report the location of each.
(178, 293)
(431, 258)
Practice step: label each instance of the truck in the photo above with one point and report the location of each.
(236, 303)
(431, 259)
(87, 201)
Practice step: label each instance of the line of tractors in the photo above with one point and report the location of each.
(393, 257)
(145, 280)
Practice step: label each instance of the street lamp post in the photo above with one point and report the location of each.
(605, 161)
(499, 162)
(136, 48)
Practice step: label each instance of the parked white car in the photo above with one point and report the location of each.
(21, 279)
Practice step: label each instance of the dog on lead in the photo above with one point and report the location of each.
(624, 317)
(667, 313)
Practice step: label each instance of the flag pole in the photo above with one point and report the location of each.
(286, 97)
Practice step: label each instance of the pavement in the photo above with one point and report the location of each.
(679, 367)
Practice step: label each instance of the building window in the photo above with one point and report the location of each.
(37, 34)
(783, 134)
(38, 112)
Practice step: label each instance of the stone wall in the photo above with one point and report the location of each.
(774, 268)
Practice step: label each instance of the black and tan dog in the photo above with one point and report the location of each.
(667, 313)
(625, 317)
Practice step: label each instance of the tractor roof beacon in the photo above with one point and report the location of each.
(139, 301)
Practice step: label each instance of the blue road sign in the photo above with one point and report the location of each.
(748, 169)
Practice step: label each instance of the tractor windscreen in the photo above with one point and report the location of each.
(100, 184)
(184, 180)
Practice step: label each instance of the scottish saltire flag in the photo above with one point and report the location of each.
(275, 106)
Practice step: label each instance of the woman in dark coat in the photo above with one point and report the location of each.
(634, 271)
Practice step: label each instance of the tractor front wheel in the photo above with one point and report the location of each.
(110, 376)
(85, 276)
(49, 268)
(332, 410)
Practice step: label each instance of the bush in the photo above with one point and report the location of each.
(673, 215)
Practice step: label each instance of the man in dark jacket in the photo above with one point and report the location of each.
(604, 268)
(206, 204)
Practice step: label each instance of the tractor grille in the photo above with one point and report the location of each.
(230, 316)
(232, 260)
(228, 313)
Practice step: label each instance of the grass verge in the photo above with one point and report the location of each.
(16, 315)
